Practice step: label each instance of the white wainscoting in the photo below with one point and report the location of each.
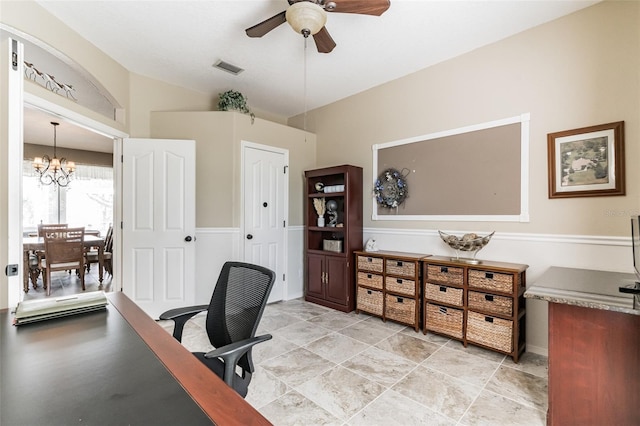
(215, 246)
(540, 251)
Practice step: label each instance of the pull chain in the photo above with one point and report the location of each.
(304, 124)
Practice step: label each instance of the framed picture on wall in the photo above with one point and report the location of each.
(587, 162)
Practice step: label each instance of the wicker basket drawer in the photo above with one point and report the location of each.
(400, 286)
(401, 267)
(373, 264)
(491, 281)
(402, 309)
(370, 301)
(490, 331)
(444, 294)
(490, 303)
(444, 320)
(370, 280)
(445, 275)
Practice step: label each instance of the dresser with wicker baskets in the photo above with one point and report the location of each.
(388, 285)
(482, 304)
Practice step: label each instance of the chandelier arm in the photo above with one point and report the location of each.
(53, 170)
(63, 180)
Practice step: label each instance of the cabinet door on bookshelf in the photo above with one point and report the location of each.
(315, 277)
(336, 279)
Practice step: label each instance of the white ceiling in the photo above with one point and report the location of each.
(178, 41)
(38, 130)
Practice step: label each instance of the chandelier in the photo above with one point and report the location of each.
(53, 170)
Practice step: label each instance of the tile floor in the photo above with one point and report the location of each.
(65, 284)
(325, 367)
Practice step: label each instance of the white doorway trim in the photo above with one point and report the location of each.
(15, 117)
(73, 117)
(15, 197)
(245, 145)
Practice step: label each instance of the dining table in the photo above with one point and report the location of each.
(35, 244)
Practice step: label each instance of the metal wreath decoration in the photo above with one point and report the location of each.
(391, 188)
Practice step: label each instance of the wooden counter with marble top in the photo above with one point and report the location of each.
(594, 347)
(585, 287)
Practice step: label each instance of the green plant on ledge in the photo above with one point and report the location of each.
(234, 101)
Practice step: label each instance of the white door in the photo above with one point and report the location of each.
(265, 211)
(158, 211)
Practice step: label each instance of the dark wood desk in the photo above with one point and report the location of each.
(30, 244)
(109, 367)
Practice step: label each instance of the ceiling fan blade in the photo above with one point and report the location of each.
(364, 7)
(324, 42)
(267, 25)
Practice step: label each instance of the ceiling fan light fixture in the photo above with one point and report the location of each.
(306, 18)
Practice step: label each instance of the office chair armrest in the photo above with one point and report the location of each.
(232, 353)
(180, 316)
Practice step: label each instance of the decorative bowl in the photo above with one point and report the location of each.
(468, 242)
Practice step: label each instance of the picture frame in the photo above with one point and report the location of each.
(587, 162)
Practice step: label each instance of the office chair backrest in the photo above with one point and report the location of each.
(237, 304)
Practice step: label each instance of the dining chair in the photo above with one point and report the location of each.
(43, 228)
(36, 258)
(233, 315)
(92, 256)
(63, 251)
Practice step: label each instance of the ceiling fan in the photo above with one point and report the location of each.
(308, 17)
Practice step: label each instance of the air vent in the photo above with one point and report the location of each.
(225, 66)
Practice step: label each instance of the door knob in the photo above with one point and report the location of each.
(188, 238)
(249, 236)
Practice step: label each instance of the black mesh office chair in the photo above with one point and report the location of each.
(233, 315)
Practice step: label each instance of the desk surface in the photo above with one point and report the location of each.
(109, 367)
(584, 287)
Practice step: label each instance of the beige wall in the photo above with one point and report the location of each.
(218, 137)
(78, 156)
(149, 95)
(31, 19)
(578, 71)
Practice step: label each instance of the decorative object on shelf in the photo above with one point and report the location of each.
(232, 100)
(319, 186)
(48, 81)
(391, 188)
(333, 188)
(332, 245)
(371, 245)
(332, 211)
(468, 242)
(53, 170)
(320, 206)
